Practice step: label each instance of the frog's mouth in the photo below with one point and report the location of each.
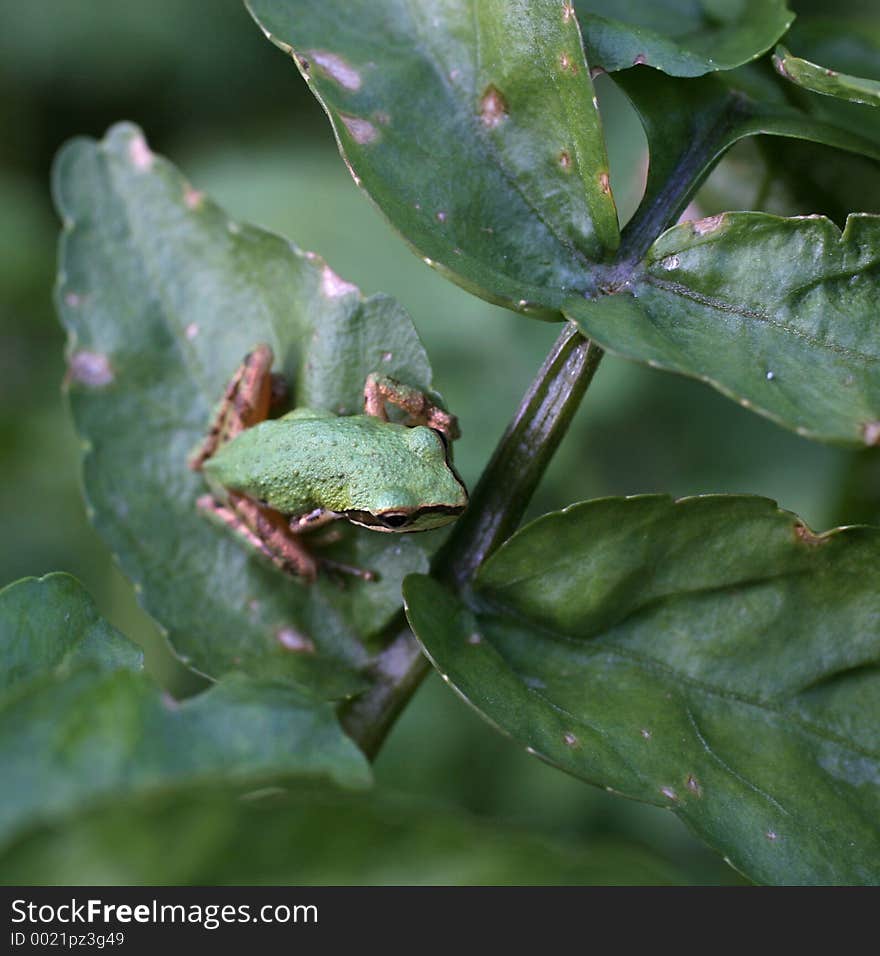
(424, 519)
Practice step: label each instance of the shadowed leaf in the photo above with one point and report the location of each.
(309, 836)
(712, 656)
(680, 37)
(103, 729)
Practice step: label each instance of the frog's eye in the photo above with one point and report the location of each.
(394, 521)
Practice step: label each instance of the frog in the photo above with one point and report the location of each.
(272, 481)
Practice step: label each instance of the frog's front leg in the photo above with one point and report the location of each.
(380, 389)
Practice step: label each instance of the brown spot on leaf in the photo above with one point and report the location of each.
(567, 12)
(338, 69)
(605, 183)
(779, 66)
(90, 368)
(362, 131)
(693, 785)
(567, 64)
(803, 533)
(871, 433)
(333, 286)
(295, 641)
(192, 198)
(565, 159)
(139, 153)
(640, 60)
(493, 107)
(702, 227)
(570, 739)
(597, 71)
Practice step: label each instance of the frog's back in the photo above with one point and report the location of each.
(306, 461)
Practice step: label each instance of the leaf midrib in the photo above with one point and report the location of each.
(720, 305)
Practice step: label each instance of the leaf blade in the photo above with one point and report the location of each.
(681, 39)
(162, 295)
(70, 736)
(682, 656)
(310, 836)
(497, 99)
(773, 312)
(50, 625)
(820, 79)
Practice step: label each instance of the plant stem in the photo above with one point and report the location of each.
(521, 457)
(693, 166)
(496, 508)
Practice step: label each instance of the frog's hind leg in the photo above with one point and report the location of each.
(380, 389)
(268, 532)
(245, 403)
(233, 520)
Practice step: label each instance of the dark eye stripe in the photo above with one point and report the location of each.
(394, 521)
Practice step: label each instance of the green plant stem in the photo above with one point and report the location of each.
(693, 167)
(496, 508)
(521, 457)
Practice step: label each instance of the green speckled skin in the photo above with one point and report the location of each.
(311, 460)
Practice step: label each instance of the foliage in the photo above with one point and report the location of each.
(712, 656)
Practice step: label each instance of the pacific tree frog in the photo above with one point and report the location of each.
(271, 480)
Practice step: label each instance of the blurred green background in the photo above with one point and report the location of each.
(231, 111)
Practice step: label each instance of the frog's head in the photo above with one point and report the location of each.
(427, 492)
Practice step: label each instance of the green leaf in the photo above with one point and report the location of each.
(49, 626)
(68, 743)
(690, 124)
(820, 79)
(712, 656)
(776, 313)
(680, 37)
(308, 836)
(83, 722)
(850, 47)
(473, 127)
(162, 295)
